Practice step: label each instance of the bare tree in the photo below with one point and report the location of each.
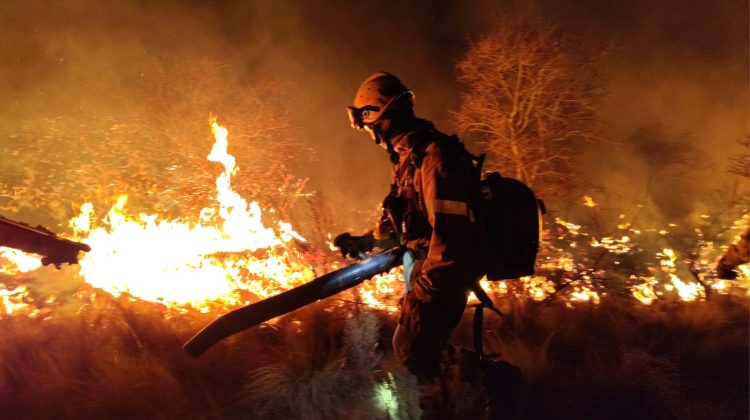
(532, 95)
(176, 99)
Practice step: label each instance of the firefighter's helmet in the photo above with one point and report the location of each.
(378, 93)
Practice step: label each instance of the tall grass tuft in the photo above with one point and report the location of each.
(89, 355)
(621, 359)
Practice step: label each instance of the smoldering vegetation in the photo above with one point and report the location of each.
(90, 355)
(104, 102)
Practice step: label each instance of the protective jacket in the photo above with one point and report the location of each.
(432, 190)
(433, 179)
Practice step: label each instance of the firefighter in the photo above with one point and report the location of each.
(428, 210)
(738, 253)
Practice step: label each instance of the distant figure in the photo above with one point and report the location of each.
(737, 254)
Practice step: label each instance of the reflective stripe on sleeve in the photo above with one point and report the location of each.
(458, 208)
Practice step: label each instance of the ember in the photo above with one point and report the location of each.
(231, 257)
(237, 254)
(626, 118)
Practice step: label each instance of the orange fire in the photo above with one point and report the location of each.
(236, 253)
(16, 261)
(229, 257)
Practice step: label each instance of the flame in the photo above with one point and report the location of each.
(13, 302)
(227, 258)
(14, 261)
(538, 287)
(585, 293)
(619, 245)
(589, 202)
(644, 292)
(667, 260)
(237, 252)
(687, 291)
(82, 222)
(572, 227)
(381, 292)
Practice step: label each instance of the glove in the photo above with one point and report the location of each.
(725, 272)
(354, 246)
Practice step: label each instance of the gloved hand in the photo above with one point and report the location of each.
(724, 272)
(727, 274)
(354, 246)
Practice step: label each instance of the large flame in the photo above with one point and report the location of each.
(236, 254)
(229, 257)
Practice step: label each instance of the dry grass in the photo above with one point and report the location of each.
(112, 358)
(625, 360)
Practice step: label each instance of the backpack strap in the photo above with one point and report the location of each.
(445, 142)
(418, 154)
(420, 149)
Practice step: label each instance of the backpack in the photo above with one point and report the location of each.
(510, 220)
(512, 224)
(509, 213)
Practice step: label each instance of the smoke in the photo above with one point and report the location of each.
(70, 61)
(675, 103)
(675, 106)
(680, 67)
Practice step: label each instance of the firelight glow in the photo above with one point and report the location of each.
(234, 256)
(203, 265)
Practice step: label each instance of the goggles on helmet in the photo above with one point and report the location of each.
(370, 114)
(359, 117)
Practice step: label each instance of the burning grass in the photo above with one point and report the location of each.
(615, 325)
(91, 355)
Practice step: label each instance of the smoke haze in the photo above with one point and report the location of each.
(677, 76)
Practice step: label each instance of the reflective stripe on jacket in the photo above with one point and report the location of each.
(439, 187)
